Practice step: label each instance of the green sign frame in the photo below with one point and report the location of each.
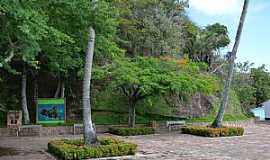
(51, 110)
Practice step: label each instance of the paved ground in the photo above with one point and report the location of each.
(254, 145)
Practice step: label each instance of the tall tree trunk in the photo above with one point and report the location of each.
(89, 131)
(56, 94)
(23, 96)
(63, 89)
(131, 114)
(218, 121)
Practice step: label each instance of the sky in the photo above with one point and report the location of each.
(255, 41)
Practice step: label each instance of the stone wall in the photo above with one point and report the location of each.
(60, 130)
(198, 106)
(7, 132)
(49, 131)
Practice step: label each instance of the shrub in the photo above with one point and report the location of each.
(124, 131)
(213, 132)
(75, 149)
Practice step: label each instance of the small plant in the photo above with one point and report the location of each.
(213, 132)
(125, 131)
(75, 149)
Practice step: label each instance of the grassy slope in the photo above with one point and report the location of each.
(233, 111)
(211, 118)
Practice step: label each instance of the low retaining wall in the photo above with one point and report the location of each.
(59, 130)
(69, 130)
(7, 132)
(65, 130)
(51, 131)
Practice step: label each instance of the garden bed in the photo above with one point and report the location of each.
(213, 132)
(125, 131)
(105, 147)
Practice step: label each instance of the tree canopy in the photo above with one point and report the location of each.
(142, 49)
(141, 77)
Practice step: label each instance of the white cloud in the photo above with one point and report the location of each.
(217, 7)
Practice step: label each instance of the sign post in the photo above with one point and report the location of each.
(14, 119)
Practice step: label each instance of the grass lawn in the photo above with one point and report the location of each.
(211, 118)
(109, 118)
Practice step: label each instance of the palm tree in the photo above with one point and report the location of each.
(89, 131)
(219, 118)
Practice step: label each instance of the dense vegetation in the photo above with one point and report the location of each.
(124, 131)
(142, 60)
(75, 149)
(213, 132)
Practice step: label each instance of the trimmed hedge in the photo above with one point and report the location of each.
(75, 149)
(125, 131)
(213, 132)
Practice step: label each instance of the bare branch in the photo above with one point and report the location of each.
(218, 67)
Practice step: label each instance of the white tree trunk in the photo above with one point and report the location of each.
(23, 97)
(218, 121)
(56, 94)
(63, 89)
(89, 131)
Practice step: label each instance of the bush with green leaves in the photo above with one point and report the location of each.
(75, 149)
(213, 132)
(125, 131)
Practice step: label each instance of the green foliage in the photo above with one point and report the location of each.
(50, 37)
(9, 95)
(107, 117)
(204, 42)
(234, 105)
(25, 26)
(213, 132)
(141, 33)
(227, 117)
(261, 82)
(219, 35)
(122, 131)
(75, 149)
(243, 85)
(153, 76)
(53, 34)
(74, 19)
(251, 85)
(141, 78)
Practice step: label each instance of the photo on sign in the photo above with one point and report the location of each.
(51, 111)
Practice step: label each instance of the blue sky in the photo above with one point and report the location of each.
(255, 40)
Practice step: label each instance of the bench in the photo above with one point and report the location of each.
(169, 124)
(79, 125)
